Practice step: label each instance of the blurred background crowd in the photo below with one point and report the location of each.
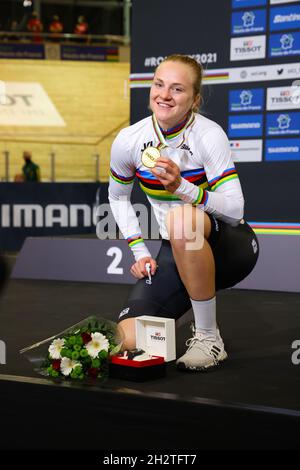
(97, 17)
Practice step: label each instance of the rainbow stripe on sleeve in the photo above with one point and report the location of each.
(135, 240)
(227, 175)
(154, 189)
(202, 197)
(121, 179)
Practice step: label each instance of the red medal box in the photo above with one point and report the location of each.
(156, 337)
(138, 371)
(132, 363)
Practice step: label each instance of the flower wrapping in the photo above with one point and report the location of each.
(79, 352)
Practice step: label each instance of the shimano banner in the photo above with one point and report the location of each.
(46, 209)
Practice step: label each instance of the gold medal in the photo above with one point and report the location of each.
(149, 156)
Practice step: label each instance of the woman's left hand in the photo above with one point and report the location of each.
(170, 177)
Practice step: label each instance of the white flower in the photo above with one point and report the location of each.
(67, 365)
(98, 343)
(56, 347)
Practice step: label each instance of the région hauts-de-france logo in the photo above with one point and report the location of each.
(246, 97)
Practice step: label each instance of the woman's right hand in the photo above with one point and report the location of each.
(138, 269)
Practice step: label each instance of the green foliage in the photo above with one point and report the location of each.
(74, 348)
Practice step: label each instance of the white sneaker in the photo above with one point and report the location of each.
(204, 352)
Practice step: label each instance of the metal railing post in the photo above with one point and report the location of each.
(52, 155)
(6, 163)
(37, 7)
(97, 160)
(126, 21)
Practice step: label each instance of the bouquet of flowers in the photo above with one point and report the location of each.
(79, 352)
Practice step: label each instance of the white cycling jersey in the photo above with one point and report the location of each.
(209, 179)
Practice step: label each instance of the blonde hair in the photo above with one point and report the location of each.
(197, 70)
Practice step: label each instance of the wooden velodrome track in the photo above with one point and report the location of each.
(92, 98)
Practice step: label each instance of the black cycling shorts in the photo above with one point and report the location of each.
(235, 251)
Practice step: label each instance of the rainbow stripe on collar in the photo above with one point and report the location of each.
(175, 131)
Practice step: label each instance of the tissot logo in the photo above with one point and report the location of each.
(11, 100)
(282, 98)
(27, 104)
(252, 47)
(35, 215)
(158, 337)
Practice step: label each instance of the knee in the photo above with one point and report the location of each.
(185, 224)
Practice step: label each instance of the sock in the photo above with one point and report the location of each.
(205, 316)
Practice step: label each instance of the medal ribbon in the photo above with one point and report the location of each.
(162, 141)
